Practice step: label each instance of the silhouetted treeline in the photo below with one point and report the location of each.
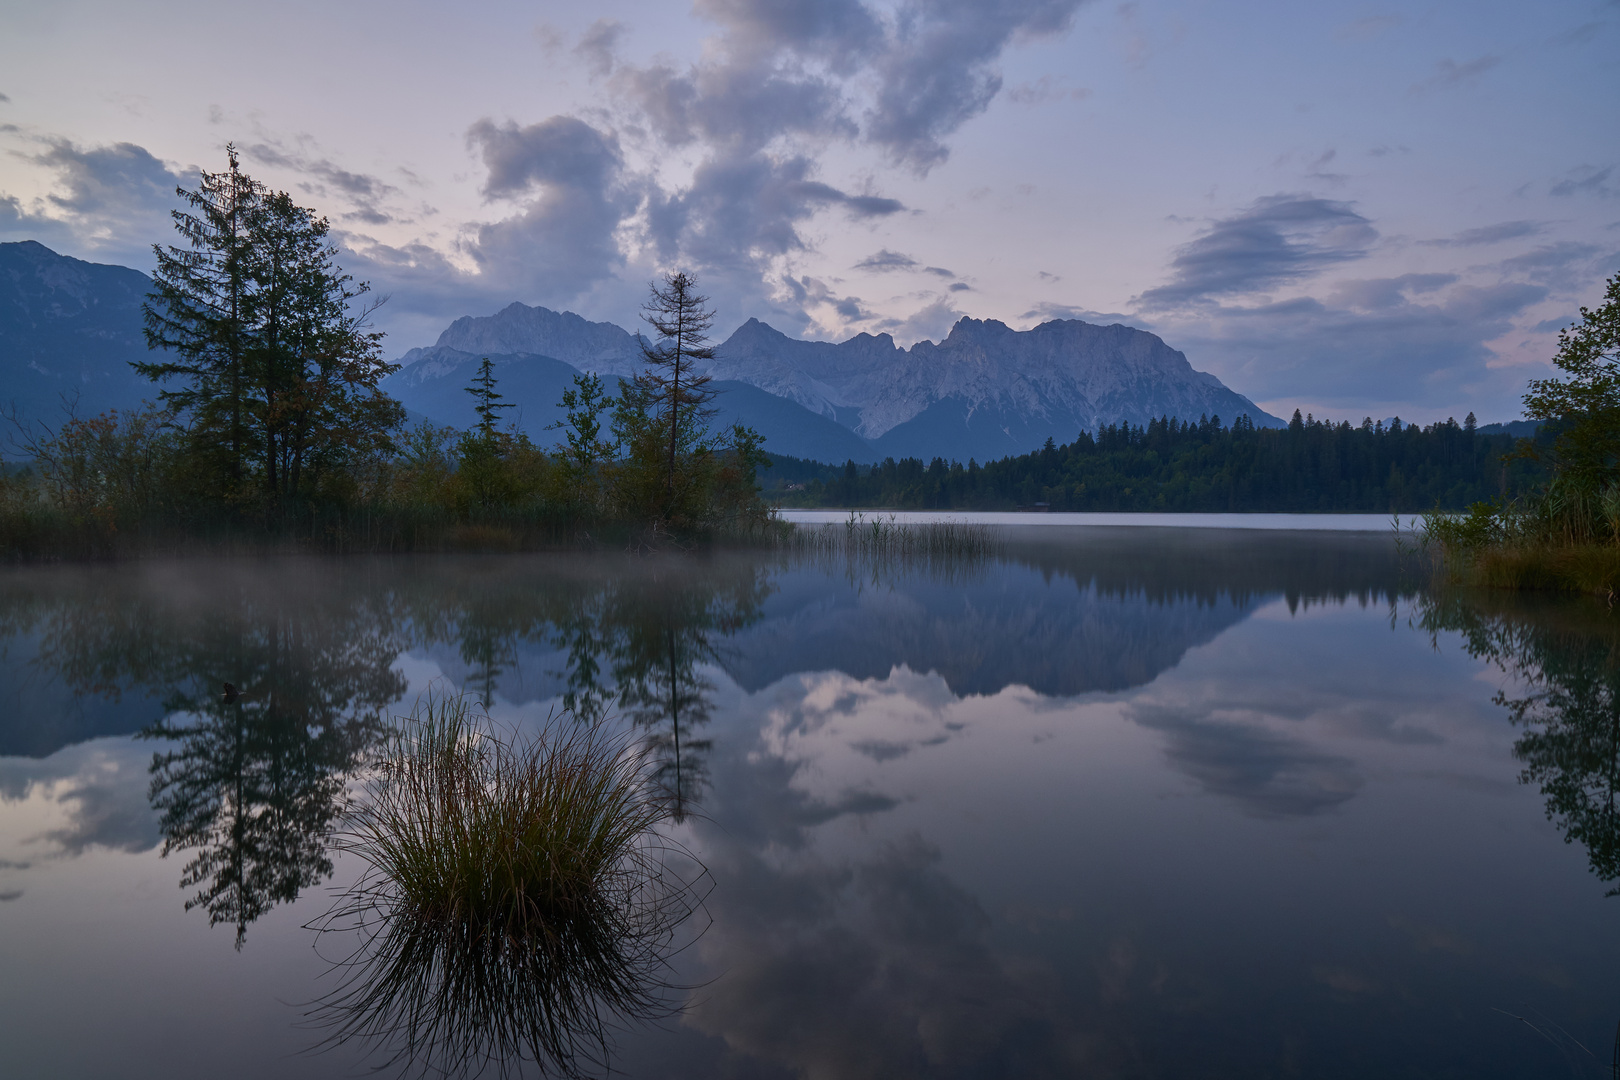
(1175, 465)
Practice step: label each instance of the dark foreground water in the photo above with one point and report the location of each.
(1125, 802)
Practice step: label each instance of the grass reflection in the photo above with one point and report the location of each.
(518, 902)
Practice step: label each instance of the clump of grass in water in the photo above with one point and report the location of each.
(517, 902)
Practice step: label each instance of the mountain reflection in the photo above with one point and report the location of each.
(1564, 659)
(246, 790)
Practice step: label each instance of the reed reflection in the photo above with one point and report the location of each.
(1564, 658)
(635, 641)
(518, 904)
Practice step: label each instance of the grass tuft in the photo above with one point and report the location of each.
(517, 902)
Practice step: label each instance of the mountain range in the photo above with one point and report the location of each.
(69, 328)
(984, 392)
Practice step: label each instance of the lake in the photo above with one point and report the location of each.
(1123, 801)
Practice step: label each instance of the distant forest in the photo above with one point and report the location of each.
(1173, 465)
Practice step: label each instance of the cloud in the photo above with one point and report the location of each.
(741, 211)
(1585, 180)
(1367, 28)
(569, 178)
(110, 199)
(931, 322)
(5, 99)
(90, 794)
(1489, 234)
(1381, 294)
(364, 191)
(598, 45)
(1579, 35)
(1398, 340)
(1279, 240)
(1045, 89)
(1567, 264)
(1450, 73)
(1268, 774)
(885, 260)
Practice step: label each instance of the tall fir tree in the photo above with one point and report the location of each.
(682, 394)
(268, 346)
(198, 310)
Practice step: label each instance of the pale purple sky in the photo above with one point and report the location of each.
(1355, 209)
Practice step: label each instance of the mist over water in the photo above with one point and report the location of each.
(1119, 801)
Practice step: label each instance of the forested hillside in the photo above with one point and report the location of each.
(1309, 466)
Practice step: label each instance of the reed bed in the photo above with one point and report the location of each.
(882, 537)
(518, 901)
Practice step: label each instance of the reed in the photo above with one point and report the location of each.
(517, 903)
(886, 538)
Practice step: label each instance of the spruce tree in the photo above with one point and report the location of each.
(198, 310)
(269, 353)
(682, 319)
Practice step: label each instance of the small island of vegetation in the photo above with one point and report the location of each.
(271, 431)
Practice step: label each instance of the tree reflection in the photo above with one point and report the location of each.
(1564, 657)
(635, 640)
(249, 787)
(256, 778)
(249, 784)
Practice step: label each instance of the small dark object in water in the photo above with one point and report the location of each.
(230, 696)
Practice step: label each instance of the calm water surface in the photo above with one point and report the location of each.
(1131, 802)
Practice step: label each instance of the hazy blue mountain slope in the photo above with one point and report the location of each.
(985, 391)
(68, 330)
(435, 387)
(533, 385)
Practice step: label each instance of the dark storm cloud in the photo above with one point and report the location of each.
(1267, 774)
(1489, 234)
(1279, 240)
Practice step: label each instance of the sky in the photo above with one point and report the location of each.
(1348, 208)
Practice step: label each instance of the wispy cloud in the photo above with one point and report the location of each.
(1278, 240)
(1448, 73)
(1489, 234)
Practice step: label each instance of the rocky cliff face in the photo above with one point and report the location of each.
(987, 390)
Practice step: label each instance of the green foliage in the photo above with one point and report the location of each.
(274, 430)
(1565, 535)
(1586, 457)
(1174, 465)
(270, 364)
